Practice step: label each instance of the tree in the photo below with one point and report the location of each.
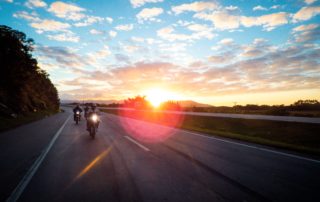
(306, 105)
(24, 87)
(139, 102)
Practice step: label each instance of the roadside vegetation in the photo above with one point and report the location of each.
(302, 108)
(300, 137)
(26, 92)
(9, 122)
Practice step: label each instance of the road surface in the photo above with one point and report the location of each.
(131, 160)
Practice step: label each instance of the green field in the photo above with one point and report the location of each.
(301, 137)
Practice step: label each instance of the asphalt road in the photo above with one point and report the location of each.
(131, 160)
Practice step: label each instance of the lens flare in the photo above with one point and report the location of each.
(151, 126)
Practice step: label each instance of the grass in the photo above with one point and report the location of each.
(300, 137)
(9, 123)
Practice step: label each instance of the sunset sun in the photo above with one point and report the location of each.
(157, 96)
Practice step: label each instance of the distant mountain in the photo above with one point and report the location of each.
(183, 103)
(191, 103)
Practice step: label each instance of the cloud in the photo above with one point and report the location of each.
(275, 7)
(309, 1)
(258, 48)
(269, 21)
(167, 34)
(96, 32)
(122, 58)
(33, 16)
(149, 14)
(306, 13)
(9, 1)
(67, 11)
(197, 27)
(231, 8)
(218, 59)
(126, 27)
(109, 20)
(61, 57)
(35, 4)
(283, 69)
(139, 3)
(112, 33)
(226, 41)
(199, 32)
(89, 20)
(137, 39)
(100, 54)
(65, 37)
(134, 48)
(259, 8)
(49, 26)
(302, 28)
(173, 48)
(195, 7)
(306, 33)
(221, 20)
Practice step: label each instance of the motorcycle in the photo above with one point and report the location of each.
(77, 117)
(93, 123)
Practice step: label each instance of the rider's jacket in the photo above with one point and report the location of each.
(77, 109)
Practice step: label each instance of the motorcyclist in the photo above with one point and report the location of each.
(75, 110)
(92, 110)
(86, 110)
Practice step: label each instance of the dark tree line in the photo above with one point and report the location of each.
(138, 102)
(24, 87)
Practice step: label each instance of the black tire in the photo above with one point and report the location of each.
(92, 132)
(77, 121)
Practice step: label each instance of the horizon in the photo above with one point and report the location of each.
(212, 52)
(107, 102)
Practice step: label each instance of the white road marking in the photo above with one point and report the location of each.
(33, 169)
(137, 143)
(254, 147)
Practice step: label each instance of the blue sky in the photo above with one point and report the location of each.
(218, 52)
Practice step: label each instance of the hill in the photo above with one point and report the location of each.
(191, 103)
(24, 87)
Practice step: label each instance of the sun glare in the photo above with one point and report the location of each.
(157, 96)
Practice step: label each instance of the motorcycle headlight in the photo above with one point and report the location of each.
(78, 112)
(94, 118)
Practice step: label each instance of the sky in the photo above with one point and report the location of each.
(219, 52)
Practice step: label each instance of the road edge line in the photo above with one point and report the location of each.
(256, 147)
(33, 169)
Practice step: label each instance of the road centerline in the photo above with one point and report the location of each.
(137, 143)
(35, 166)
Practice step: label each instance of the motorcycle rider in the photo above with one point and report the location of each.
(75, 110)
(92, 110)
(86, 110)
